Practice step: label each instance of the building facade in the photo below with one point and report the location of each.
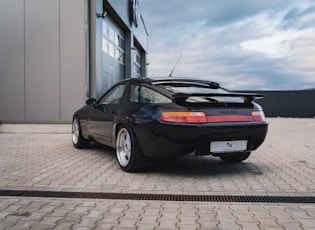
(54, 54)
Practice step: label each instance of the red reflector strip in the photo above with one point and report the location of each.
(230, 118)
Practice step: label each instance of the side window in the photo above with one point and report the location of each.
(143, 94)
(114, 96)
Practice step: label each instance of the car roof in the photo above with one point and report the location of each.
(169, 80)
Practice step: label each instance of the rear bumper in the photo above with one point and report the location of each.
(167, 141)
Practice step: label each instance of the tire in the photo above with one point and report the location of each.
(128, 152)
(235, 158)
(77, 138)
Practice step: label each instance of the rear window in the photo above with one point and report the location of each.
(183, 87)
(200, 88)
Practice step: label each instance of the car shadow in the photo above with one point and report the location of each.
(102, 150)
(189, 165)
(203, 166)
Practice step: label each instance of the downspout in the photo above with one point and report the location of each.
(145, 59)
(87, 48)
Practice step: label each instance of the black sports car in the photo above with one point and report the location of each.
(161, 118)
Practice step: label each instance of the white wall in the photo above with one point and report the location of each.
(42, 59)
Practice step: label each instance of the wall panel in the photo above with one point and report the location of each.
(72, 57)
(42, 72)
(11, 60)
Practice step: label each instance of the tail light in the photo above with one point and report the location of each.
(258, 115)
(200, 117)
(184, 117)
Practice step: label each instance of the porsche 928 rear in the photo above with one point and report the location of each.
(203, 119)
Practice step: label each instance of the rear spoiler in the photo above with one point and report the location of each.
(249, 97)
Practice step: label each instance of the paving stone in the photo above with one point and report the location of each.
(38, 216)
(72, 217)
(64, 225)
(127, 223)
(151, 212)
(228, 223)
(146, 226)
(60, 212)
(148, 220)
(104, 225)
(86, 222)
(130, 216)
(241, 218)
(168, 224)
(209, 225)
(3, 214)
(291, 225)
(9, 221)
(249, 225)
(188, 224)
(212, 217)
(169, 216)
(268, 223)
(22, 224)
(95, 214)
(50, 221)
(307, 223)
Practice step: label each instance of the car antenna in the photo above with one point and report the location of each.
(175, 65)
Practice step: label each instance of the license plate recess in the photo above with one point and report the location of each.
(228, 146)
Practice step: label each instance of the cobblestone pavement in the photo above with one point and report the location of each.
(282, 166)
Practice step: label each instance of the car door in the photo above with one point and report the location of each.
(101, 117)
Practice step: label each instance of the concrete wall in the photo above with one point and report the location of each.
(42, 59)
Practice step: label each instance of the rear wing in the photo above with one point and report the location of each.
(248, 97)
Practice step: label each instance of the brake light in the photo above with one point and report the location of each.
(184, 117)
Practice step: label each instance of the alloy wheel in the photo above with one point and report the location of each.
(123, 147)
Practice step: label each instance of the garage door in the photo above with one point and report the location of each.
(113, 54)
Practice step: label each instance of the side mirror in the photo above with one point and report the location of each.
(91, 101)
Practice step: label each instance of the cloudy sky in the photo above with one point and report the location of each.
(242, 44)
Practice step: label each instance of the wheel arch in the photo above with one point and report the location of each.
(116, 130)
(78, 139)
(117, 127)
(136, 160)
(83, 125)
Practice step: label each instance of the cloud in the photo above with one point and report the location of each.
(300, 18)
(270, 39)
(242, 44)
